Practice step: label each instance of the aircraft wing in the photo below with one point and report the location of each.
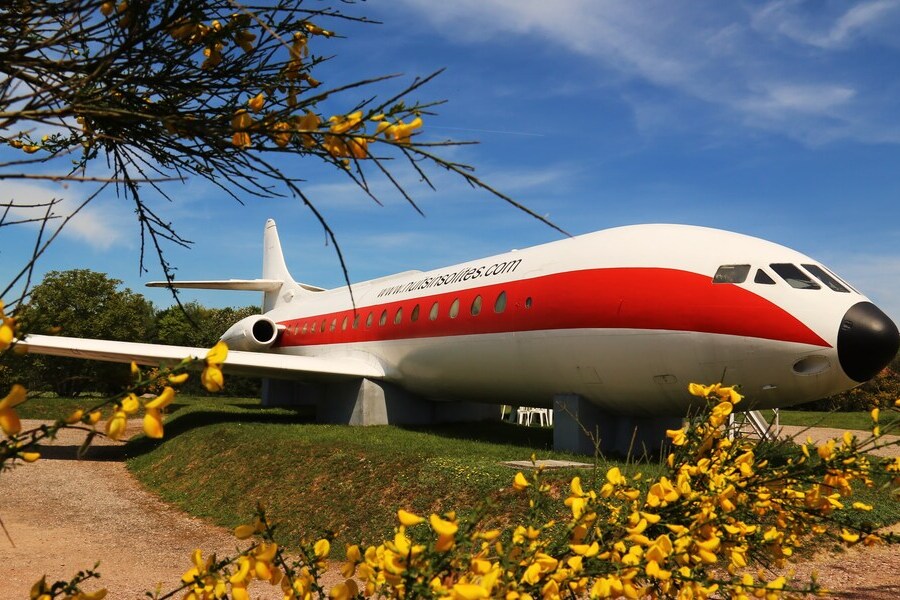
(264, 364)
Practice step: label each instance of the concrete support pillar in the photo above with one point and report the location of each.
(368, 402)
(577, 424)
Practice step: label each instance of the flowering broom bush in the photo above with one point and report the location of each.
(721, 510)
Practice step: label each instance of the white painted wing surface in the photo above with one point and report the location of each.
(265, 364)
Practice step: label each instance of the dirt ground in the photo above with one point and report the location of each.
(63, 515)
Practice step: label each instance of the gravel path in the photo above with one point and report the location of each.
(64, 514)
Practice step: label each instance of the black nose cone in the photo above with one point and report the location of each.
(867, 341)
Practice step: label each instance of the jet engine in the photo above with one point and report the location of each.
(252, 333)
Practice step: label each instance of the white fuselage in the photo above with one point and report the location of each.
(625, 317)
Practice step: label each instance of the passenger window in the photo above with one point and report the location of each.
(434, 312)
(500, 303)
(356, 321)
(333, 324)
(398, 318)
(305, 327)
(826, 278)
(476, 305)
(794, 276)
(322, 328)
(369, 320)
(383, 319)
(528, 302)
(344, 324)
(731, 274)
(454, 308)
(763, 277)
(414, 315)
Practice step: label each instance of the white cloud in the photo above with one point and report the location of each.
(820, 27)
(101, 224)
(783, 99)
(751, 63)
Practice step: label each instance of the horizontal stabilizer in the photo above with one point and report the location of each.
(250, 285)
(262, 364)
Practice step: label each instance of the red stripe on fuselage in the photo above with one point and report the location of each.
(619, 298)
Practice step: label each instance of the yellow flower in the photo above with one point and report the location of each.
(242, 532)
(241, 139)
(702, 391)
(6, 332)
(322, 548)
(177, 379)
(75, 417)
(115, 427)
(9, 418)
(94, 417)
(29, 457)
(468, 591)
(399, 132)
(442, 526)
(241, 120)
(519, 482)
(678, 436)
(163, 400)
(217, 354)
(257, 102)
(875, 412)
(358, 147)
(344, 591)
(153, 426)
(212, 379)
(408, 519)
(614, 476)
(849, 537)
(130, 404)
(345, 123)
(281, 134)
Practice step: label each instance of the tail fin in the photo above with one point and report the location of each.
(277, 285)
(274, 268)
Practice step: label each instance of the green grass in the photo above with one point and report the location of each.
(838, 420)
(222, 456)
(50, 406)
(219, 459)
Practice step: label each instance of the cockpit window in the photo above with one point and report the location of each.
(763, 277)
(826, 278)
(794, 276)
(731, 274)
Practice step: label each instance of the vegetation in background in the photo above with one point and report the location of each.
(83, 303)
(879, 392)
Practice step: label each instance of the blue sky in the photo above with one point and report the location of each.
(777, 119)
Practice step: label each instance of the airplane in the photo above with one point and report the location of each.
(608, 327)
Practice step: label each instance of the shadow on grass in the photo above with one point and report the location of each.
(536, 438)
(183, 423)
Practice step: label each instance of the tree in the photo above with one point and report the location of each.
(83, 303)
(879, 392)
(161, 90)
(195, 325)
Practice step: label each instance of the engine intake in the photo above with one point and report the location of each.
(253, 334)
